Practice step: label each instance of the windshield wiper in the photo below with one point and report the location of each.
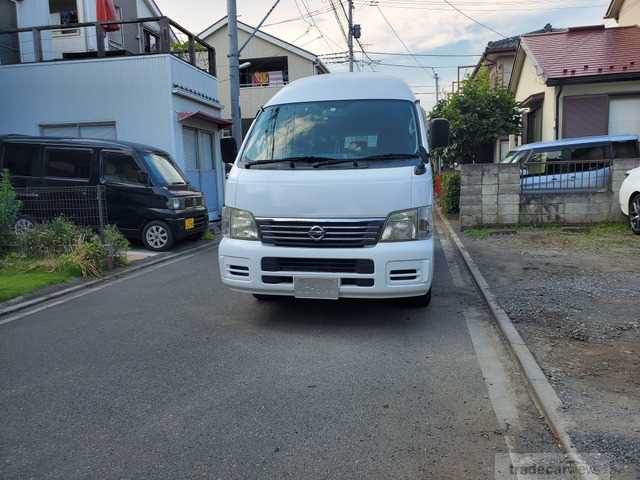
(354, 161)
(390, 156)
(302, 158)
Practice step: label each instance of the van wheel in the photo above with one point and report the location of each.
(23, 224)
(261, 297)
(422, 300)
(157, 236)
(634, 213)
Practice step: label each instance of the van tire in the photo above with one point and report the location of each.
(422, 300)
(157, 236)
(23, 224)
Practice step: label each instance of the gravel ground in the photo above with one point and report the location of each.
(574, 298)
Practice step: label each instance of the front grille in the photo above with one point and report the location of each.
(330, 265)
(190, 202)
(320, 233)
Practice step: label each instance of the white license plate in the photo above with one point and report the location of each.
(315, 287)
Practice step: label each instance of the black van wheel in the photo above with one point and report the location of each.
(157, 236)
(23, 224)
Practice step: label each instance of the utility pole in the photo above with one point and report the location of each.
(437, 79)
(350, 38)
(234, 72)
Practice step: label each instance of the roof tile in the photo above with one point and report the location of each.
(586, 51)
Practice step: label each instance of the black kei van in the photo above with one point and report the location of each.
(147, 195)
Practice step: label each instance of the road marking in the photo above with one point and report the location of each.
(486, 343)
(88, 291)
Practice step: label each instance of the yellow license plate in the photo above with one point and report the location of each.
(189, 223)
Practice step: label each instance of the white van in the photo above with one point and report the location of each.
(330, 195)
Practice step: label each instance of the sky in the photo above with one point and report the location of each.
(435, 27)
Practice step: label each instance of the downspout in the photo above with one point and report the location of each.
(558, 93)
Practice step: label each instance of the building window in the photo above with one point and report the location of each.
(64, 12)
(101, 130)
(68, 163)
(263, 72)
(624, 115)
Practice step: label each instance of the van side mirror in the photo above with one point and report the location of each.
(143, 178)
(229, 149)
(439, 133)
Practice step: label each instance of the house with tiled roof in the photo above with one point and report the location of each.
(625, 12)
(578, 82)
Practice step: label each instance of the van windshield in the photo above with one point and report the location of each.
(163, 169)
(315, 133)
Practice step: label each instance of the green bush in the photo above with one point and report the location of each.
(450, 192)
(116, 243)
(52, 238)
(9, 206)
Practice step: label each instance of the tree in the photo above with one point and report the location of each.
(479, 114)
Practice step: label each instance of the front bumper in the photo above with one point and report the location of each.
(177, 223)
(401, 269)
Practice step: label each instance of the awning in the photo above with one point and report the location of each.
(106, 12)
(205, 117)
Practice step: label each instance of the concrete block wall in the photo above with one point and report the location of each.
(490, 194)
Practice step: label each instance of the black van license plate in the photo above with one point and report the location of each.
(189, 223)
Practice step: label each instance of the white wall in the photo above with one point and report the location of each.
(531, 83)
(629, 13)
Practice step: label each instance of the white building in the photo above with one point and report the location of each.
(272, 64)
(133, 88)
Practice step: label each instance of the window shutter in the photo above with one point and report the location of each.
(584, 116)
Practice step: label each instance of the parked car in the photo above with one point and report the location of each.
(571, 163)
(630, 199)
(147, 196)
(330, 195)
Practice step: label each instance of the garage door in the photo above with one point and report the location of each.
(105, 131)
(624, 116)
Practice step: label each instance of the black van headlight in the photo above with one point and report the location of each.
(176, 203)
(406, 225)
(238, 224)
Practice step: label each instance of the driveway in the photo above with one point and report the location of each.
(168, 374)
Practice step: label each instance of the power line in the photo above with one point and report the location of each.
(400, 39)
(371, 52)
(473, 19)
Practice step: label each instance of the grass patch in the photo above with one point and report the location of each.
(481, 233)
(24, 276)
(208, 236)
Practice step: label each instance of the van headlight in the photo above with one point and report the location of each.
(238, 224)
(406, 225)
(175, 203)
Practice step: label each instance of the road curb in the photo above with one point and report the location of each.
(9, 309)
(541, 391)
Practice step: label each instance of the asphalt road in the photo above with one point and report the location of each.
(171, 375)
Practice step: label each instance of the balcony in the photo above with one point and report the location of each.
(122, 38)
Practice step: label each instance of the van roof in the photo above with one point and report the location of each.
(80, 142)
(343, 86)
(566, 142)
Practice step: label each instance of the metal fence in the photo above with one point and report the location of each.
(84, 206)
(565, 176)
